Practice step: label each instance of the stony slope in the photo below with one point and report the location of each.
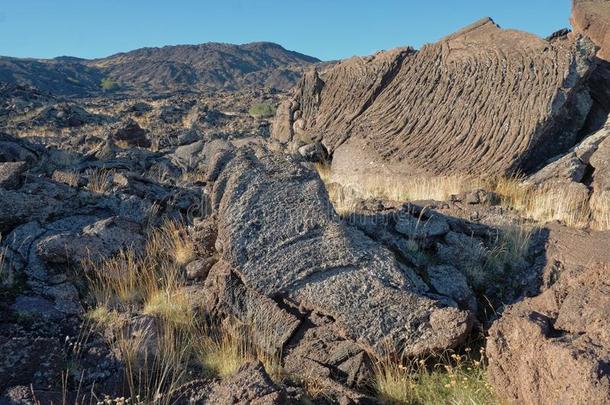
(481, 100)
(210, 66)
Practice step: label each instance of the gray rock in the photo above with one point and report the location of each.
(314, 152)
(18, 207)
(10, 174)
(200, 268)
(35, 307)
(421, 227)
(450, 282)
(277, 229)
(97, 241)
(251, 384)
(132, 134)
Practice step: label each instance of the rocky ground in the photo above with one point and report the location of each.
(192, 248)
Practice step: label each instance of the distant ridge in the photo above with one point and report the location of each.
(169, 69)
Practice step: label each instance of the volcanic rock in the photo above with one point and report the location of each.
(280, 236)
(592, 18)
(132, 134)
(483, 100)
(555, 347)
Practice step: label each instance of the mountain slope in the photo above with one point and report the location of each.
(210, 66)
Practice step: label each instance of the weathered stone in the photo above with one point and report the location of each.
(271, 326)
(278, 231)
(421, 227)
(199, 269)
(17, 207)
(555, 348)
(450, 282)
(592, 18)
(250, 385)
(410, 112)
(314, 152)
(97, 241)
(10, 174)
(132, 134)
(35, 307)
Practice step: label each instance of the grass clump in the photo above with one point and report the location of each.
(262, 110)
(156, 354)
(100, 181)
(454, 379)
(221, 351)
(544, 204)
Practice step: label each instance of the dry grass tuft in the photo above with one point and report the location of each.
(440, 188)
(540, 204)
(510, 246)
(100, 181)
(170, 305)
(600, 212)
(544, 204)
(158, 356)
(148, 283)
(221, 351)
(455, 379)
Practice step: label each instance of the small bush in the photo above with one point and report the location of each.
(262, 110)
(109, 85)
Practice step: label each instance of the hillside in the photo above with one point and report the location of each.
(181, 68)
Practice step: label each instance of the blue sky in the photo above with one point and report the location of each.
(326, 29)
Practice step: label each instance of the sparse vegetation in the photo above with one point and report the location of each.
(540, 204)
(544, 204)
(600, 211)
(109, 85)
(158, 355)
(262, 110)
(100, 181)
(455, 379)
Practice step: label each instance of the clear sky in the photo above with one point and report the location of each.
(327, 29)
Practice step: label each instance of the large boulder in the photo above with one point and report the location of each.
(280, 237)
(555, 348)
(483, 100)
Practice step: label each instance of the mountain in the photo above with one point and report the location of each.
(181, 68)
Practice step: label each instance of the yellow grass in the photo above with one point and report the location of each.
(100, 181)
(221, 351)
(149, 283)
(545, 204)
(600, 211)
(539, 204)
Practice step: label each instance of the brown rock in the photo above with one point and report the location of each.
(592, 18)
(484, 100)
(555, 348)
(132, 134)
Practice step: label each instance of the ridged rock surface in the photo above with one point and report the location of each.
(280, 236)
(484, 100)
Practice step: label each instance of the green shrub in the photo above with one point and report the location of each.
(262, 110)
(109, 85)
